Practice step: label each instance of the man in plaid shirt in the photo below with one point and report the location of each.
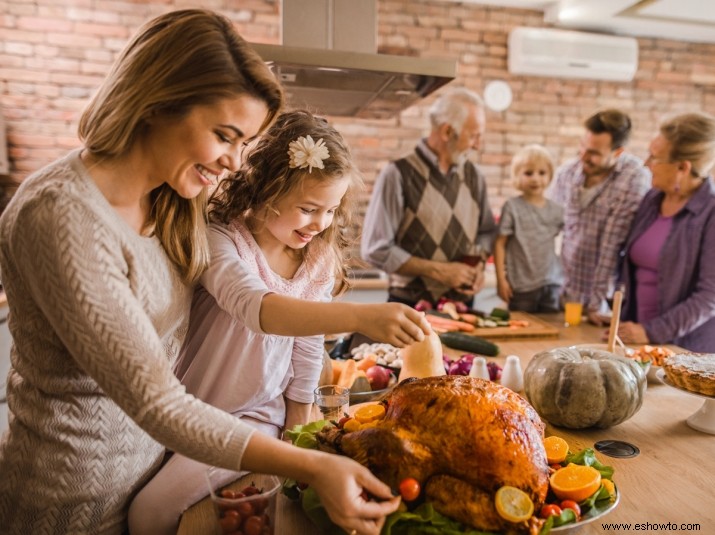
(600, 192)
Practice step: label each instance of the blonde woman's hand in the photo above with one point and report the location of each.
(392, 323)
(340, 482)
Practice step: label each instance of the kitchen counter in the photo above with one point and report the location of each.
(669, 481)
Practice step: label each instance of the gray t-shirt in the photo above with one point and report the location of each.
(531, 260)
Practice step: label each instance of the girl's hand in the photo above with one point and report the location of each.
(340, 483)
(392, 323)
(632, 333)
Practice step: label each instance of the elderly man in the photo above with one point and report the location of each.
(600, 192)
(429, 212)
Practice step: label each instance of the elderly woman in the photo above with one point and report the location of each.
(669, 262)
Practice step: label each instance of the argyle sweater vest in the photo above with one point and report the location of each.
(440, 222)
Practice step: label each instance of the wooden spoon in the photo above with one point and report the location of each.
(615, 320)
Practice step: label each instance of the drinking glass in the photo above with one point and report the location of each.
(472, 256)
(332, 400)
(573, 310)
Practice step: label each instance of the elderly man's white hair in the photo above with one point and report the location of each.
(451, 108)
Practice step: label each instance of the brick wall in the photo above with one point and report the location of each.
(54, 53)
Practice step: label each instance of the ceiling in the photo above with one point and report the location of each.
(682, 20)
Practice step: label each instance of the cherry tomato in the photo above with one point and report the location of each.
(409, 489)
(570, 504)
(250, 490)
(230, 494)
(259, 505)
(229, 523)
(550, 509)
(245, 508)
(253, 525)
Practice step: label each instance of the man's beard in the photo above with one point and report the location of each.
(459, 157)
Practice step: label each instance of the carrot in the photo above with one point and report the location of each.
(450, 325)
(469, 318)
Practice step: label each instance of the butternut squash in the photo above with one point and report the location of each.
(327, 373)
(349, 374)
(423, 359)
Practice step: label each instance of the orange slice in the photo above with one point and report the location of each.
(610, 486)
(351, 425)
(513, 505)
(369, 413)
(556, 449)
(575, 482)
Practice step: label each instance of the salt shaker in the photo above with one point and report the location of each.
(512, 376)
(479, 368)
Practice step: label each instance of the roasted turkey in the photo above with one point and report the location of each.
(462, 438)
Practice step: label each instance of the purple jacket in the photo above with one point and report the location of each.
(686, 272)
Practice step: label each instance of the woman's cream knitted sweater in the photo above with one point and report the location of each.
(95, 312)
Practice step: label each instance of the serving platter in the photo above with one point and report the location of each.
(703, 419)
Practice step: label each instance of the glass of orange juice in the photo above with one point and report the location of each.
(573, 310)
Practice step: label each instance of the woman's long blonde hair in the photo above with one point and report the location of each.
(176, 61)
(266, 177)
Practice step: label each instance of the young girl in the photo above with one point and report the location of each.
(277, 227)
(529, 276)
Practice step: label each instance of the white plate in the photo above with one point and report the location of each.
(704, 419)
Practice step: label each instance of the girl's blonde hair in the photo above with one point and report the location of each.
(265, 177)
(692, 138)
(531, 154)
(175, 62)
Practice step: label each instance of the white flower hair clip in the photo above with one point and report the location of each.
(304, 152)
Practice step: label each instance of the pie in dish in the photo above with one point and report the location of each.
(692, 372)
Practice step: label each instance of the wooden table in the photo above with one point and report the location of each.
(669, 482)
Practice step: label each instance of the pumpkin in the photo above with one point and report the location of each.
(583, 387)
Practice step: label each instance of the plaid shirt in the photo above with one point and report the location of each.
(595, 233)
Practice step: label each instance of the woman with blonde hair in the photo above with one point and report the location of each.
(96, 251)
(669, 258)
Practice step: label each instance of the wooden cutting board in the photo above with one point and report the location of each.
(537, 328)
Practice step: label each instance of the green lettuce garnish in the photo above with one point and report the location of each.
(424, 520)
(587, 457)
(303, 436)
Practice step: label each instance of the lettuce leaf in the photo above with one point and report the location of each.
(587, 457)
(303, 436)
(424, 520)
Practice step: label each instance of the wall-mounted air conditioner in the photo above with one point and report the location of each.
(571, 54)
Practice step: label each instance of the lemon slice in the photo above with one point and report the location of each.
(513, 505)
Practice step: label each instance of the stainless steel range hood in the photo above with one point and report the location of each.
(340, 73)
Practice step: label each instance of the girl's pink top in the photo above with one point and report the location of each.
(227, 359)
